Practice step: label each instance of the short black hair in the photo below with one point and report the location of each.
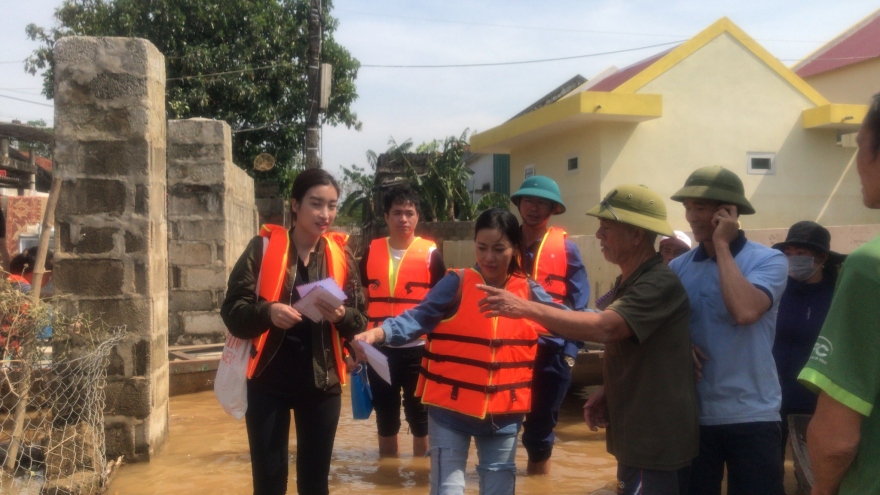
(872, 124)
(19, 265)
(26, 262)
(401, 196)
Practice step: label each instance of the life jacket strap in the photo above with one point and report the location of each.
(476, 362)
(486, 389)
(409, 286)
(480, 341)
(393, 300)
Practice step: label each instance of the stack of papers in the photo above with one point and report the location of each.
(325, 290)
(377, 361)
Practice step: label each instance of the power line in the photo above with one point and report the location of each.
(28, 101)
(541, 28)
(12, 62)
(521, 62)
(443, 66)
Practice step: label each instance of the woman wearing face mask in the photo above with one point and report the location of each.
(812, 272)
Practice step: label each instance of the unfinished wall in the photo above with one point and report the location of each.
(111, 258)
(211, 218)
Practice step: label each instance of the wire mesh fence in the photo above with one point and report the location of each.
(52, 381)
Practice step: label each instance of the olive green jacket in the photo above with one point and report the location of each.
(247, 317)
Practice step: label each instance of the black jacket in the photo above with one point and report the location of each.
(247, 318)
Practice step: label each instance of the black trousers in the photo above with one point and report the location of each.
(316, 415)
(404, 364)
(752, 454)
(550, 382)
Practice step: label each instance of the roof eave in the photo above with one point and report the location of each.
(577, 110)
(839, 116)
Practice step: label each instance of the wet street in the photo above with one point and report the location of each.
(207, 452)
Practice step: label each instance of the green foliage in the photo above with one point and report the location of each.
(361, 203)
(489, 200)
(443, 188)
(262, 43)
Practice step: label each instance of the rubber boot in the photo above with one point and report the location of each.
(420, 446)
(388, 446)
(538, 468)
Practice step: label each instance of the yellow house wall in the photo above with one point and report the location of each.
(719, 104)
(855, 83)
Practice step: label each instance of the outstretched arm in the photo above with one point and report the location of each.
(604, 327)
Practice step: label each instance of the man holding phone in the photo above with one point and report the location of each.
(734, 286)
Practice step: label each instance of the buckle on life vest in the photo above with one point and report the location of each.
(494, 366)
(496, 342)
(491, 389)
(455, 392)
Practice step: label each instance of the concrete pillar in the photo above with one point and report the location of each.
(211, 218)
(111, 260)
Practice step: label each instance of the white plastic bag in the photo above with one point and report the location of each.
(230, 385)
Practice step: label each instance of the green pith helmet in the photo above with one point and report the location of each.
(540, 187)
(718, 184)
(634, 205)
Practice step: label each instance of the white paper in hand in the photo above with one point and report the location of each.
(325, 290)
(377, 361)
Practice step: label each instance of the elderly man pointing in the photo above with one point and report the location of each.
(649, 401)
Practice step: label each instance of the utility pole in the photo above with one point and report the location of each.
(313, 160)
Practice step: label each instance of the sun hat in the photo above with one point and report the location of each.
(540, 186)
(813, 236)
(634, 205)
(718, 184)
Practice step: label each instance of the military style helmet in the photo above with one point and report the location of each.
(718, 184)
(540, 187)
(634, 205)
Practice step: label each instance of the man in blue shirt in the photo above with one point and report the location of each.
(734, 286)
(554, 262)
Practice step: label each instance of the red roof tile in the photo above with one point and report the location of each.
(613, 81)
(41, 161)
(857, 44)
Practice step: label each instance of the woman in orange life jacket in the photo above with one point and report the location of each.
(476, 371)
(297, 363)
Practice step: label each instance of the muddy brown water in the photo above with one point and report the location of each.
(207, 452)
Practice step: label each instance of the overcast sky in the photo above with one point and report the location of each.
(427, 103)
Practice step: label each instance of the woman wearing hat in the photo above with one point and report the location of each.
(812, 273)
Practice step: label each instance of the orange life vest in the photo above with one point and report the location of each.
(411, 284)
(273, 269)
(13, 278)
(476, 365)
(549, 267)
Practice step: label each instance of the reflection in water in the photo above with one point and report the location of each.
(207, 452)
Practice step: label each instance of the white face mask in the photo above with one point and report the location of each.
(801, 267)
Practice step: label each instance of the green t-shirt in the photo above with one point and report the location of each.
(845, 363)
(649, 378)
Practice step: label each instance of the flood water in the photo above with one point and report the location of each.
(207, 452)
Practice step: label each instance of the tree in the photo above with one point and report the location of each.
(444, 185)
(489, 200)
(242, 61)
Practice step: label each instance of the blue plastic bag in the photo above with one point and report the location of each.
(361, 395)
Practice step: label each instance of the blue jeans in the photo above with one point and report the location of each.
(450, 436)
